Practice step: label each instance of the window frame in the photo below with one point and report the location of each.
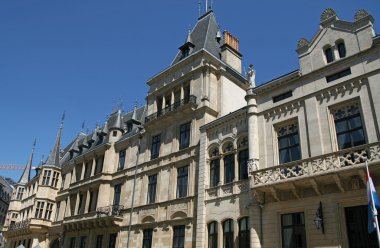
(152, 188)
(243, 235)
(243, 163)
(121, 162)
(229, 166)
(340, 44)
(212, 236)
(182, 181)
(46, 178)
(147, 238)
(184, 135)
(117, 194)
(328, 51)
(287, 137)
(179, 235)
(214, 172)
(228, 236)
(294, 226)
(155, 146)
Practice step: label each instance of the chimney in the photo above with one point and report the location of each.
(230, 51)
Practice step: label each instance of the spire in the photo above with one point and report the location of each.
(54, 155)
(134, 112)
(188, 39)
(25, 177)
(117, 121)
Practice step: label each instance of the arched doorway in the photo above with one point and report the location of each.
(55, 244)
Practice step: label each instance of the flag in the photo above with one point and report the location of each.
(373, 204)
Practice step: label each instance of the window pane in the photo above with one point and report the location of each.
(293, 139)
(287, 220)
(288, 235)
(284, 156)
(296, 153)
(344, 141)
(358, 137)
(355, 122)
(341, 126)
(283, 142)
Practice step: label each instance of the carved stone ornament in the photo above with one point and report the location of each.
(327, 14)
(253, 165)
(361, 14)
(302, 42)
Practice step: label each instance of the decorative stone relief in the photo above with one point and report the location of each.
(253, 165)
(360, 14)
(290, 108)
(339, 90)
(302, 42)
(327, 14)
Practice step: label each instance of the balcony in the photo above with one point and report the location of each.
(187, 101)
(340, 168)
(19, 226)
(113, 210)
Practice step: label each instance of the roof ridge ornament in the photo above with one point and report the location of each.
(302, 42)
(360, 14)
(328, 14)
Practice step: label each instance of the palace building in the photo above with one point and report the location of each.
(214, 160)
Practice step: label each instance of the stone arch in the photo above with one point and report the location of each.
(148, 219)
(178, 215)
(213, 150)
(228, 145)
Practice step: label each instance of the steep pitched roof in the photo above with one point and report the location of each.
(25, 177)
(203, 36)
(54, 155)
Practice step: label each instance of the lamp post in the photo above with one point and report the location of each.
(319, 218)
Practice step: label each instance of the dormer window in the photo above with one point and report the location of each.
(341, 49)
(329, 55)
(185, 52)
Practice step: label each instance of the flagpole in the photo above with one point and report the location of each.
(373, 207)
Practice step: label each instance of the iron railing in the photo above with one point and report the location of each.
(113, 210)
(190, 100)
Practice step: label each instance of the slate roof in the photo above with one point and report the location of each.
(25, 177)
(84, 143)
(203, 36)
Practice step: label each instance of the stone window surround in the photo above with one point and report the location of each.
(236, 148)
(334, 50)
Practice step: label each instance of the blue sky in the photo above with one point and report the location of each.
(83, 56)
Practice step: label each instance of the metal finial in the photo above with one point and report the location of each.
(136, 103)
(83, 123)
(206, 5)
(119, 104)
(34, 143)
(199, 8)
(63, 118)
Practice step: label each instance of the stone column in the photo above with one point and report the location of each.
(201, 231)
(87, 204)
(253, 132)
(236, 167)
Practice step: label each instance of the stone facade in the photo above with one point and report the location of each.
(211, 162)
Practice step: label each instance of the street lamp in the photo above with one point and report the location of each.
(319, 219)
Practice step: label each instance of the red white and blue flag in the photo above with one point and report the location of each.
(373, 204)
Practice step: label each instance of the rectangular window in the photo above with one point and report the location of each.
(282, 96)
(63, 181)
(152, 185)
(54, 181)
(214, 172)
(121, 160)
(349, 126)
(244, 235)
(72, 242)
(156, 143)
(184, 136)
(83, 242)
(178, 236)
(99, 241)
(243, 164)
(228, 234)
(39, 209)
(49, 210)
(288, 143)
(80, 205)
(147, 238)
(99, 165)
(117, 192)
(229, 168)
(46, 177)
(213, 235)
(338, 75)
(112, 241)
(293, 230)
(20, 193)
(87, 169)
(182, 176)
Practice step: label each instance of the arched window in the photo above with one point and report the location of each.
(213, 235)
(341, 49)
(214, 166)
(243, 233)
(329, 55)
(243, 158)
(228, 234)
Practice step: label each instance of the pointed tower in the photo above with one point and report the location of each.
(54, 155)
(116, 125)
(25, 177)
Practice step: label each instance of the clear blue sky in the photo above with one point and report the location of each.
(82, 56)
